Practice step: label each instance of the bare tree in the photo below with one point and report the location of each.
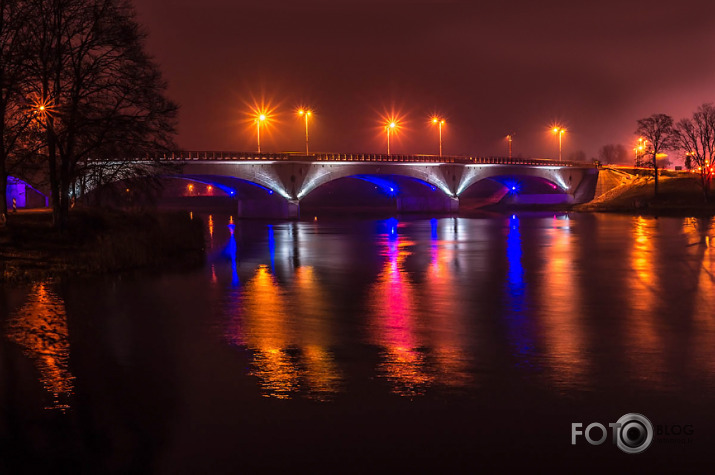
(102, 96)
(15, 116)
(658, 131)
(613, 153)
(696, 137)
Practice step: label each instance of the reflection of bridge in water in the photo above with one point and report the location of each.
(417, 182)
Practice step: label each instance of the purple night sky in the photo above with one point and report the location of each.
(490, 68)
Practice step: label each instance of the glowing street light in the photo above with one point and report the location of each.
(440, 122)
(559, 130)
(389, 127)
(306, 114)
(260, 118)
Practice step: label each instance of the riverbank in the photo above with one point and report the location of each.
(97, 242)
(677, 196)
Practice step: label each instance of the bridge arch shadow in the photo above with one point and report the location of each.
(513, 189)
(236, 195)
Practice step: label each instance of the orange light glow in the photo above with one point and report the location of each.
(42, 107)
(40, 328)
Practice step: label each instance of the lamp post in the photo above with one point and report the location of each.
(259, 119)
(389, 127)
(440, 122)
(560, 131)
(509, 140)
(306, 114)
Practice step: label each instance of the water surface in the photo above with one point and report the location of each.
(414, 344)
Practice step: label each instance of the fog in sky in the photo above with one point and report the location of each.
(489, 68)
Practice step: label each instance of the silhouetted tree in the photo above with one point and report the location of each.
(15, 118)
(658, 131)
(102, 96)
(613, 153)
(696, 137)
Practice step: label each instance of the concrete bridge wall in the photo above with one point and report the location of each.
(295, 180)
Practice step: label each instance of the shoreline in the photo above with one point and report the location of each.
(98, 242)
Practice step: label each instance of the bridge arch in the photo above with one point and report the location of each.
(323, 173)
(380, 192)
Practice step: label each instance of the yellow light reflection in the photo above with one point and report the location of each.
(40, 328)
(289, 336)
(322, 376)
(561, 319)
(644, 345)
(265, 329)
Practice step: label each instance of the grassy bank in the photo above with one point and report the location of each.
(681, 196)
(97, 242)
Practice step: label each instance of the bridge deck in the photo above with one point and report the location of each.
(353, 157)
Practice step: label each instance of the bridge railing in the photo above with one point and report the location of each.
(189, 155)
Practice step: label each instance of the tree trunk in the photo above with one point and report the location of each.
(3, 191)
(655, 168)
(54, 179)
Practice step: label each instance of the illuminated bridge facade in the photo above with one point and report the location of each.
(295, 176)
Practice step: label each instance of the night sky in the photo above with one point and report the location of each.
(490, 68)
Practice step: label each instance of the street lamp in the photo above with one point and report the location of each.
(440, 122)
(560, 131)
(306, 114)
(509, 140)
(389, 127)
(259, 119)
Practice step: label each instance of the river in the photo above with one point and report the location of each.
(407, 344)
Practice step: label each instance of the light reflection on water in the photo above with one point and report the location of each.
(287, 331)
(645, 348)
(425, 321)
(40, 328)
(569, 303)
(561, 313)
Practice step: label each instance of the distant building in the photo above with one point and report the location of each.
(25, 195)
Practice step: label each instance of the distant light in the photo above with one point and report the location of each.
(262, 117)
(270, 192)
(513, 188)
(210, 188)
(393, 125)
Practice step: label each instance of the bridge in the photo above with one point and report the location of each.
(418, 183)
